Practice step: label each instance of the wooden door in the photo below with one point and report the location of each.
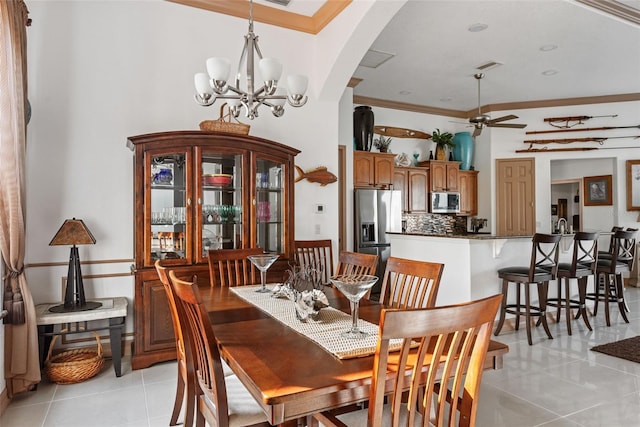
(515, 197)
(452, 176)
(468, 187)
(438, 176)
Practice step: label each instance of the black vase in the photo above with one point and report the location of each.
(363, 128)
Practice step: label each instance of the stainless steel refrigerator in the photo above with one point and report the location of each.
(376, 212)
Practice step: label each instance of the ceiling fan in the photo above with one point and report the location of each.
(484, 120)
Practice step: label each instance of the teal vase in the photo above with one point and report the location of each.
(463, 151)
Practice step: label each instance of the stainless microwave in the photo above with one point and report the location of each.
(442, 202)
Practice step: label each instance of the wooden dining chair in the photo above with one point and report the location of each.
(356, 263)
(542, 268)
(317, 254)
(610, 286)
(582, 266)
(230, 267)
(222, 401)
(410, 284)
(446, 368)
(186, 371)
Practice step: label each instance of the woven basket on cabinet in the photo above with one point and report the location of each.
(222, 125)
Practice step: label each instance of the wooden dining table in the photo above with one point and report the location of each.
(289, 375)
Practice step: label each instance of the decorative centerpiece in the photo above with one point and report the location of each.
(382, 143)
(304, 287)
(443, 140)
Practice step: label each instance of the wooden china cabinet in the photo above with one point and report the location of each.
(196, 191)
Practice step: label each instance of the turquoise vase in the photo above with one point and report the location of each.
(463, 151)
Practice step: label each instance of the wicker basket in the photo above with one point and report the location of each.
(224, 123)
(73, 366)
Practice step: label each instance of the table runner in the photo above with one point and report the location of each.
(325, 331)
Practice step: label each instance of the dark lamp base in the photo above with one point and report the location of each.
(89, 305)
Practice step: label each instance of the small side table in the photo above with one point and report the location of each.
(114, 309)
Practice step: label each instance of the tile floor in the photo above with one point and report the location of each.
(554, 383)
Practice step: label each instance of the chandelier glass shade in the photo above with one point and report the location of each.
(214, 84)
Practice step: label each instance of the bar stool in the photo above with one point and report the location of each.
(610, 272)
(542, 268)
(583, 264)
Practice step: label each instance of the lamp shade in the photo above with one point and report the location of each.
(73, 232)
(297, 84)
(270, 69)
(218, 69)
(201, 81)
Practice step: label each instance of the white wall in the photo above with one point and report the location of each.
(101, 71)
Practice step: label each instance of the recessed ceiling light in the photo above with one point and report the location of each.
(446, 99)
(549, 72)
(474, 28)
(548, 47)
(404, 92)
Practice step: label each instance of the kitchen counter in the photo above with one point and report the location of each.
(471, 261)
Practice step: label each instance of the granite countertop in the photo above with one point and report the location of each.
(470, 235)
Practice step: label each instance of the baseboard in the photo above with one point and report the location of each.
(4, 401)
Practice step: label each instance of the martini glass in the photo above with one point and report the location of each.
(354, 287)
(262, 263)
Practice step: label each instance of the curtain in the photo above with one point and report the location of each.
(22, 368)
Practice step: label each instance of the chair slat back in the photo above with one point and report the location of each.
(230, 267)
(356, 264)
(317, 254)
(544, 255)
(585, 252)
(203, 344)
(624, 248)
(410, 284)
(178, 328)
(614, 229)
(457, 334)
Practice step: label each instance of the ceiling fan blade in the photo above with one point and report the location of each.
(503, 118)
(507, 125)
(477, 131)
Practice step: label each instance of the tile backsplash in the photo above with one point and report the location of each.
(435, 223)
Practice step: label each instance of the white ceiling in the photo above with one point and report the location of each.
(436, 56)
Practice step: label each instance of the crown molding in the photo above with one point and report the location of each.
(269, 15)
(605, 99)
(614, 8)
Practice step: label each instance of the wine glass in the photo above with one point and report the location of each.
(262, 263)
(354, 287)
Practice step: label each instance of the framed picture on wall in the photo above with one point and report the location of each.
(633, 185)
(597, 190)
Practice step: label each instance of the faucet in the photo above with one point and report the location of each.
(562, 225)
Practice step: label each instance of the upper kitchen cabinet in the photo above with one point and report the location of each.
(414, 184)
(195, 191)
(373, 169)
(468, 186)
(443, 175)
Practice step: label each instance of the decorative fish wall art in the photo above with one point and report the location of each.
(320, 175)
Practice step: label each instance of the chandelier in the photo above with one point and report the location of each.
(212, 85)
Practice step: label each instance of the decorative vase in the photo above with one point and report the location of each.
(441, 153)
(363, 128)
(463, 151)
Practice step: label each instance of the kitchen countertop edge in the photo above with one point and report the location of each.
(460, 236)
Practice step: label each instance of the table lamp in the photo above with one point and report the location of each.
(74, 232)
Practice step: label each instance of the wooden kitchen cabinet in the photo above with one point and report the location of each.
(443, 175)
(195, 191)
(373, 169)
(414, 184)
(468, 187)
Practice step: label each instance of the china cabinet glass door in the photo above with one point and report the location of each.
(221, 208)
(269, 205)
(168, 235)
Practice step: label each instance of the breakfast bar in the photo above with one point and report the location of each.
(471, 261)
